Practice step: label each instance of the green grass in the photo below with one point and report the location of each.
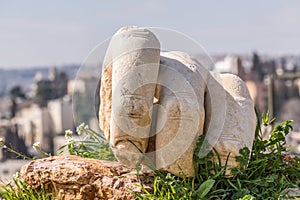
(266, 172)
(18, 190)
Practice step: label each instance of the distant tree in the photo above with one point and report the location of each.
(15, 92)
(45, 91)
(12, 140)
(52, 89)
(256, 65)
(283, 63)
(61, 84)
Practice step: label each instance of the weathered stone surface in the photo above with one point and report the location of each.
(238, 126)
(180, 116)
(127, 91)
(73, 177)
(177, 100)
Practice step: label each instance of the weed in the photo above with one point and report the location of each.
(92, 144)
(19, 190)
(266, 172)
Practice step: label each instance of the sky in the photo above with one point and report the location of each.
(56, 32)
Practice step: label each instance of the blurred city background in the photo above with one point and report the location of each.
(43, 44)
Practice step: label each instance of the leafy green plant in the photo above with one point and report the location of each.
(270, 169)
(168, 186)
(266, 172)
(91, 144)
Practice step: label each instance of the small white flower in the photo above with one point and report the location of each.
(16, 175)
(68, 134)
(82, 128)
(36, 145)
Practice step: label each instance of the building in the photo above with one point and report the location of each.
(61, 114)
(230, 64)
(84, 91)
(42, 123)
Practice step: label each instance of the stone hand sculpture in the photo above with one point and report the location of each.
(159, 103)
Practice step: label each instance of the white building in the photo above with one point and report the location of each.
(35, 124)
(84, 91)
(76, 85)
(42, 124)
(60, 111)
(230, 64)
